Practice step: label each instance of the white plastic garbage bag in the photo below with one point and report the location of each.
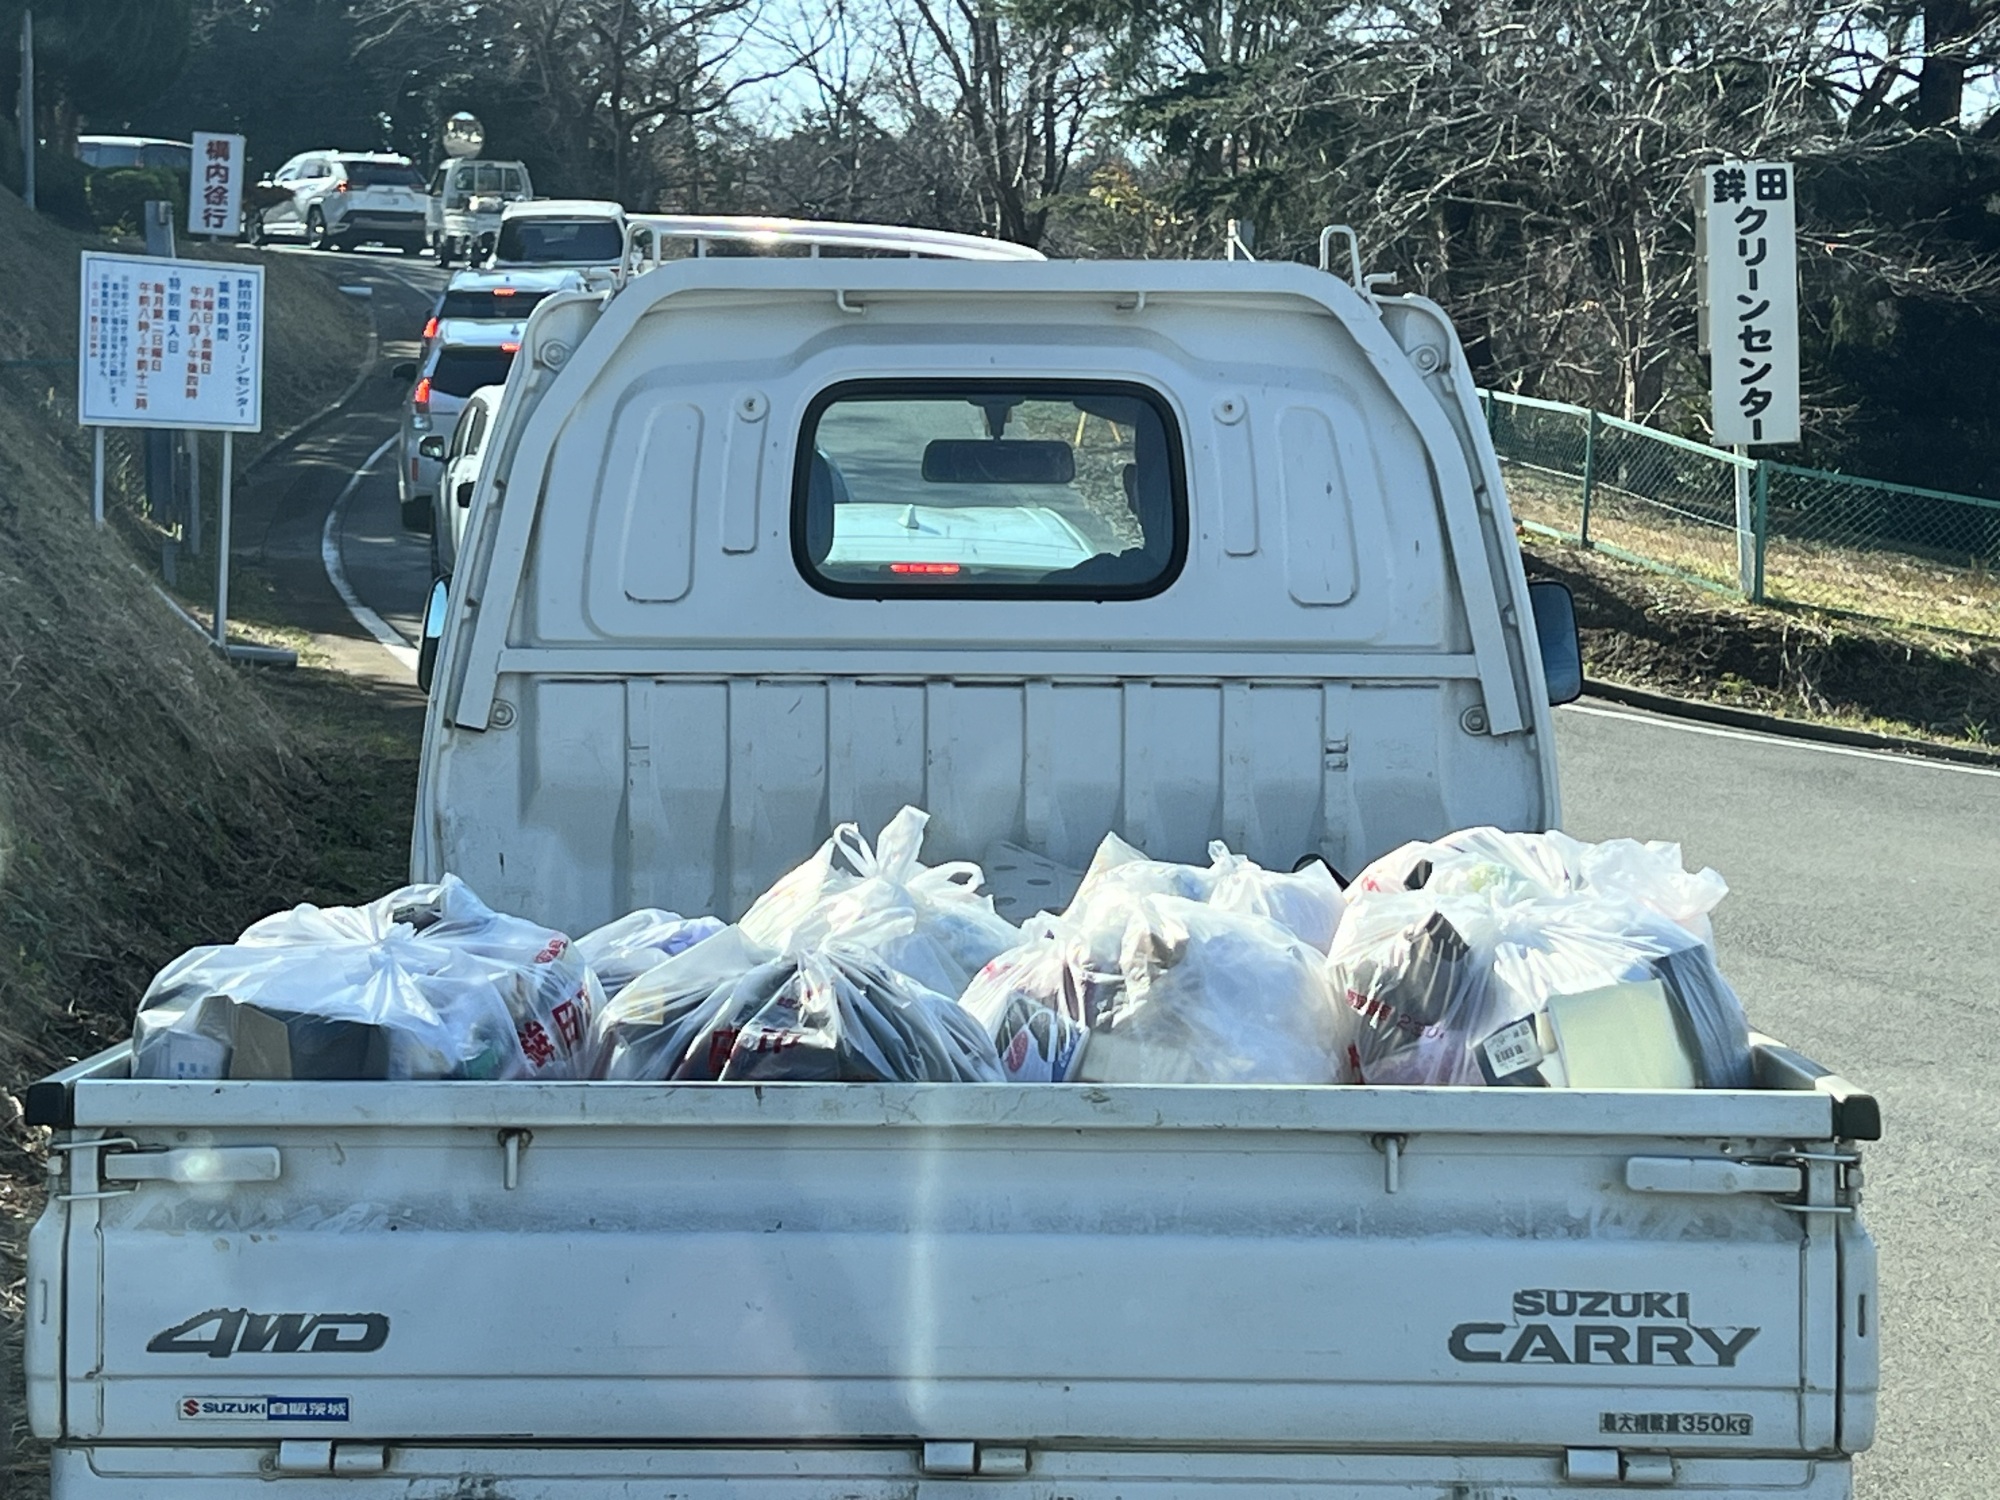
(1214, 996)
(428, 982)
(1109, 893)
(1307, 903)
(619, 952)
(728, 1010)
(1443, 984)
(1553, 864)
(1198, 995)
(929, 922)
(1036, 1003)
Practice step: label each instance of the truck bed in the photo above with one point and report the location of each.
(1245, 1278)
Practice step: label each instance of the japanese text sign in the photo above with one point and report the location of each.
(215, 186)
(1753, 301)
(171, 343)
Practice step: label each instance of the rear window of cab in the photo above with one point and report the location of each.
(989, 489)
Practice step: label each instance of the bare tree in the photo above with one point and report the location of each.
(1020, 90)
(621, 89)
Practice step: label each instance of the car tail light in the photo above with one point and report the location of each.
(944, 569)
(510, 348)
(340, 187)
(503, 291)
(431, 329)
(420, 398)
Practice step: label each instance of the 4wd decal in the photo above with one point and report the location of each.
(223, 1331)
(1565, 1327)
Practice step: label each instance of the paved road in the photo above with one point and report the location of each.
(1861, 929)
(286, 499)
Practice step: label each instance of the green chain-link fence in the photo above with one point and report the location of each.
(1752, 527)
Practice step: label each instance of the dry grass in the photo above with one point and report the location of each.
(151, 797)
(1646, 630)
(1898, 588)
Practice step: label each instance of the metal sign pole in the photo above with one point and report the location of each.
(192, 536)
(97, 475)
(27, 111)
(222, 542)
(1746, 530)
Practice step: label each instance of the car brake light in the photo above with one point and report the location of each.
(431, 329)
(510, 348)
(421, 396)
(503, 291)
(340, 187)
(940, 568)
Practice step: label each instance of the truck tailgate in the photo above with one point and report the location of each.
(1200, 1268)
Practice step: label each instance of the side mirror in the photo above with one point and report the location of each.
(1555, 633)
(427, 647)
(432, 447)
(405, 372)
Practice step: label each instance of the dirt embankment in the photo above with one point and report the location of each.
(151, 797)
(1645, 630)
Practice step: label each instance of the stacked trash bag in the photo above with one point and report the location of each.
(1485, 958)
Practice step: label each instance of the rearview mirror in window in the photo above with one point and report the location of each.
(999, 461)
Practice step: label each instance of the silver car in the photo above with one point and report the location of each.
(462, 358)
(495, 297)
(336, 200)
(461, 455)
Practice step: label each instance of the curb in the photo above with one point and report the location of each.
(1773, 724)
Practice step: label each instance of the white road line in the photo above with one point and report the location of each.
(1781, 741)
(336, 574)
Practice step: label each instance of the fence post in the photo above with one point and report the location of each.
(1762, 522)
(1589, 475)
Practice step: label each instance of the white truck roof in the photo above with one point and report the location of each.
(564, 208)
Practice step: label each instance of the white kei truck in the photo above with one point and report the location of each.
(1188, 551)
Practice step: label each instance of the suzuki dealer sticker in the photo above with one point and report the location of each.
(262, 1408)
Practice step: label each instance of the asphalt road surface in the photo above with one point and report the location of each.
(337, 468)
(1865, 893)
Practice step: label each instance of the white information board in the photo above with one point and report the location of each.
(215, 186)
(1752, 264)
(171, 343)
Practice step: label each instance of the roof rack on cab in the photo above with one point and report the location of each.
(646, 234)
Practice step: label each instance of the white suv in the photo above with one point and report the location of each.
(335, 200)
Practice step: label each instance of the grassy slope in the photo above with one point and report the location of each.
(151, 798)
(1646, 630)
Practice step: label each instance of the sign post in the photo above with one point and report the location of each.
(1750, 315)
(215, 186)
(173, 344)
